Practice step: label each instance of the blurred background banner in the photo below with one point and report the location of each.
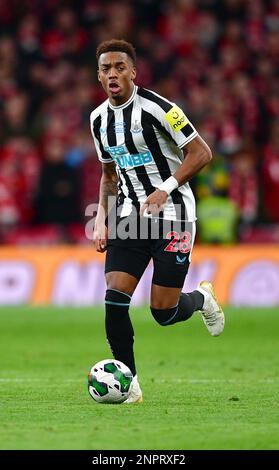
(64, 275)
(217, 60)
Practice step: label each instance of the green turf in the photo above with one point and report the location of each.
(199, 392)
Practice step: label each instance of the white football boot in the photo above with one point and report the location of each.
(136, 393)
(212, 313)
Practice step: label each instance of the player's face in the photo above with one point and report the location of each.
(116, 73)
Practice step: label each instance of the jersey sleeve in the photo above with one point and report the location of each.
(95, 126)
(167, 117)
(176, 124)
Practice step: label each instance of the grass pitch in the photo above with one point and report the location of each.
(200, 392)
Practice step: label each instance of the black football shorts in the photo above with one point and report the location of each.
(169, 244)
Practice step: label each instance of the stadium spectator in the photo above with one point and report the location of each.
(244, 185)
(57, 200)
(225, 77)
(270, 170)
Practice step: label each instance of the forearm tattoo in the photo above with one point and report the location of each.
(109, 188)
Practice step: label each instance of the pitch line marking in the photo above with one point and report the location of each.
(192, 381)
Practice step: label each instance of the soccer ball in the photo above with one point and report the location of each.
(110, 381)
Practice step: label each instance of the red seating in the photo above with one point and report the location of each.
(262, 234)
(76, 233)
(40, 235)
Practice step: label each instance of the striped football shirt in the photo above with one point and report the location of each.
(145, 137)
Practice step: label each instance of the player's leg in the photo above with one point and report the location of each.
(169, 305)
(171, 257)
(171, 264)
(203, 300)
(125, 264)
(119, 329)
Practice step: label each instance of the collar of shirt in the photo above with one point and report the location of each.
(124, 105)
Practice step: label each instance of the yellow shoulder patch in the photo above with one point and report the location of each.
(176, 118)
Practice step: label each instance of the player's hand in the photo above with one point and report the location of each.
(100, 236)
(154, 203)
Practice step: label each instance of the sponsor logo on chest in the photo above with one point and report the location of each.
(126, 160)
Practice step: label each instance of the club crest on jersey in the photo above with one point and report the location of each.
(176, 118)
(136, 127)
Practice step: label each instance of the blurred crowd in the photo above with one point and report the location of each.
(217, 59)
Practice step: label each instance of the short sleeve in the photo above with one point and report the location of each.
(95, 126)
(178, 125)
(168, 117)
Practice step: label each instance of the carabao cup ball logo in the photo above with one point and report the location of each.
(110, 381)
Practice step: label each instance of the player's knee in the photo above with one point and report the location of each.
(161, 302)
(122, 282)
(163, 316)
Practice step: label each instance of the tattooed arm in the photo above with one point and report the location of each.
(108, 187)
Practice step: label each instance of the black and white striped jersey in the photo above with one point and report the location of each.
(145, 137)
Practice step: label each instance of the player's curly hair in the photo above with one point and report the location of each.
(118, 45)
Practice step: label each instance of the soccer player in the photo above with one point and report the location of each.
(149, 151)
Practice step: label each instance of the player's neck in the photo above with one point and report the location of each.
(121, 100)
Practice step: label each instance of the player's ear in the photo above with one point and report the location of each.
(98, 75)
(134, 73)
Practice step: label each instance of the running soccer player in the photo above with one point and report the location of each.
(149, 151)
